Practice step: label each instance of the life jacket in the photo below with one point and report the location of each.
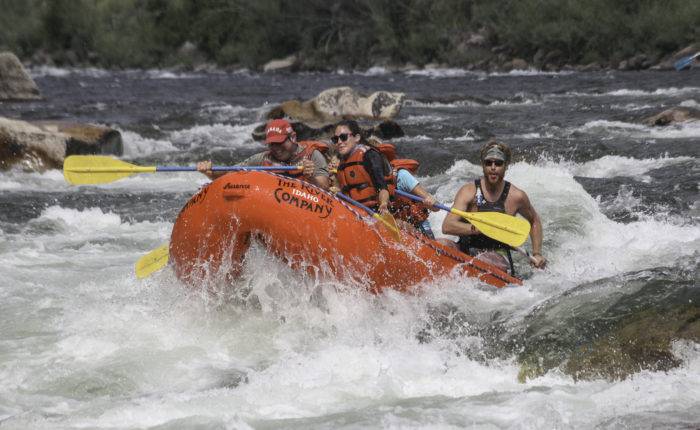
(357, 183)
(480, 242)
(308, 147)
(403, 208)
(355, 180)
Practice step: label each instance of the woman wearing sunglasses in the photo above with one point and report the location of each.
(491, 193)
(366, 175)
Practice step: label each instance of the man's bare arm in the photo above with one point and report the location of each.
(453, 224)
(529, 213)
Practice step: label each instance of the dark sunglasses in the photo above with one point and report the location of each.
(342, 137)
(489, 163)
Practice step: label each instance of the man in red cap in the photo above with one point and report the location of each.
(285, 150)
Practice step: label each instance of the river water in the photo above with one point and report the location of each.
(84, 344)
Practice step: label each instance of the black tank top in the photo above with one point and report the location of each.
(480, 241)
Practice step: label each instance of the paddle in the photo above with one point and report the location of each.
(504, 228)
(99, 169)
(685, 61)
(388, 220)
(152, 262)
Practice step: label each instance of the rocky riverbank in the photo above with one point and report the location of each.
(474, 54)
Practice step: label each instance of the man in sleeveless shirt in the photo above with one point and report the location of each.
(491, 193)
(283, 150)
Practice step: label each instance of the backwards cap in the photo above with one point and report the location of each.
(277, 131)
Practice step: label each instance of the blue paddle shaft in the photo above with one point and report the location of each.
(224, 168)
(420, 199)
(354, 202)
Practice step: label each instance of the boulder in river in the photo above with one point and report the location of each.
(15, 82)
(334, 104)
(600, 330)
(43, 145)
(673, 116)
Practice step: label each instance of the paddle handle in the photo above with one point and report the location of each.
(225, 168)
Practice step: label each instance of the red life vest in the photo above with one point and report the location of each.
(309, 146)
(355, 180)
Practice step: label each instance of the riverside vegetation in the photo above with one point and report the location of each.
(321, 34)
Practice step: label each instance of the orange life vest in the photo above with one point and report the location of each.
(309, 146)
(406, 209)
(355, 180)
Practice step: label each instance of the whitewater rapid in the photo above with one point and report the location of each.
(84, 344)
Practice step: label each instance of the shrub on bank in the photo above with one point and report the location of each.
(345, 33)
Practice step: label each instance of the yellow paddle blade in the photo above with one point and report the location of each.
(390, 223)
(504, 228)
(99, 169)
(152, 262)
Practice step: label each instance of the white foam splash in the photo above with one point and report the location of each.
(671, 91)
(440, 73)
(506, 103)
(533, 135)
(215, 136)
(221, 112)
(61, 72)
(85, 221)
(419, 137)
(16, 179)
(610, 166)
(168, 74)
(455, 104)
(688, 129)
(424, 119)
(690, 103)
(136, 145)
(533, 72)
(469, 136)
(631, 107)
(374, 71)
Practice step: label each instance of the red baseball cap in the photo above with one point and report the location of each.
(277, 131)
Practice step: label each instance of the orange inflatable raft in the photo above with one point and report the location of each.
(309, 229)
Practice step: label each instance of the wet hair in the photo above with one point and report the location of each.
(490, 144)
(354, 128)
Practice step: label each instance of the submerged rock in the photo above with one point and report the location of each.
(615, 327)
(39, 146)
(15, 82)
(672, 116)
(334, 104)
